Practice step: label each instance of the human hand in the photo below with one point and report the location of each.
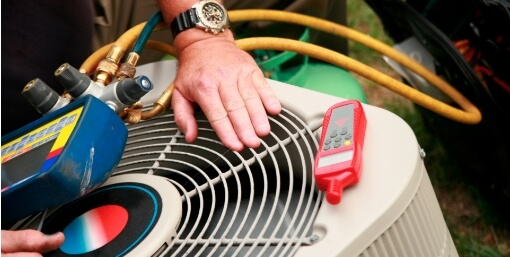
(29, 242)
(228, 86)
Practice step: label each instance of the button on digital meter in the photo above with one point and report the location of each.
(59, 157)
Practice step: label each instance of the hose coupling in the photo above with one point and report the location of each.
(128, 68)
(108, 67)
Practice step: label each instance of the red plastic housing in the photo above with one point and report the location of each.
(340, 166)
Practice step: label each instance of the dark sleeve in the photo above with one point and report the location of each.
(37, 37)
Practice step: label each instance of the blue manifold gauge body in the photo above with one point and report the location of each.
(59, 157)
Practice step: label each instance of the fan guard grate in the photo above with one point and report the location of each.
(257, 202)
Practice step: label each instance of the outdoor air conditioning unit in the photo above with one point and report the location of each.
(264, 201)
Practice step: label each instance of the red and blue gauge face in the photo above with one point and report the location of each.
(94, 229)
(109, 221)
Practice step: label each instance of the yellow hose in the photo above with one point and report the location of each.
(124, 42)
(89, 65)
(127, 39)
(469, 115)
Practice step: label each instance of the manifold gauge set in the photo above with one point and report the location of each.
(57, 170)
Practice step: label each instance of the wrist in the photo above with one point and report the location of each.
(203, 20)
(194, 35)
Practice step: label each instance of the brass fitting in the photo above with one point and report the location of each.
(134, 114)
(131, 115)
(165, 98)
(107, 68)
(128, 68)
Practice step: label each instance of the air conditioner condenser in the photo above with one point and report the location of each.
(392, 211)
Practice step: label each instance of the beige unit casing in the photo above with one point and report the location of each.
(392, 211)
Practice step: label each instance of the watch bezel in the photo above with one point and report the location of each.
(203, 22)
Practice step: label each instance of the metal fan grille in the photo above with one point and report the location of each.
(257, 202)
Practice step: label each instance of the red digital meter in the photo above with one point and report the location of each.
(338, 161)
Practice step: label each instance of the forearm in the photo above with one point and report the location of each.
(172, 8)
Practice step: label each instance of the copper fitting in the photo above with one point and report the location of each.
(128, 68)
(107, 68)
(132, 116)
(166, 97)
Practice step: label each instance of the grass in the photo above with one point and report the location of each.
(475, 230)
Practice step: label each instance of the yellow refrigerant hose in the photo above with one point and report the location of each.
(468, 113)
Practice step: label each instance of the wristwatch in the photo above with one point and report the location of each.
(206, 14)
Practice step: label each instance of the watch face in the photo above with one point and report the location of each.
(213, 16)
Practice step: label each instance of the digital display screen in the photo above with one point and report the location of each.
(335, 158)
(26, 164)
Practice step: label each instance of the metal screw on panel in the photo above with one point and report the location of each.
(422, 153)
(314, 239)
